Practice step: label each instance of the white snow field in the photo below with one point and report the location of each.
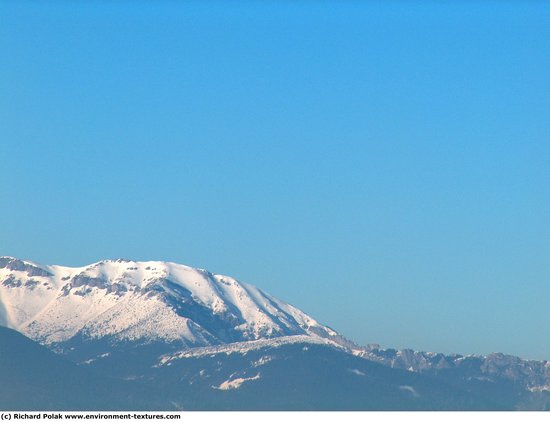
(144, 302)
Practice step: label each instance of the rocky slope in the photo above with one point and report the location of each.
(530, 374)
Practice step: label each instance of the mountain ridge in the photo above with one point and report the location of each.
(143, 301)
(141, 319)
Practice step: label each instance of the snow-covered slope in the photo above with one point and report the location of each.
(143, 302)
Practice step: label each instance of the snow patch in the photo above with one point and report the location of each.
(409, 389)
(236, 383)
(262, 361)
(539, 388)
(243, 347)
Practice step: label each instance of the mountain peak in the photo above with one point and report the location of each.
(144, 302)
(15, 264)
(116, 261)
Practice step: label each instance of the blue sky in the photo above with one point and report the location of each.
(384, 166)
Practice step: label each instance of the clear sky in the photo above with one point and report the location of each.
(384, 166)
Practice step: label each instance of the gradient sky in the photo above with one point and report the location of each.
(384, 166)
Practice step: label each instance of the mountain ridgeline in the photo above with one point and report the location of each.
(165, 336)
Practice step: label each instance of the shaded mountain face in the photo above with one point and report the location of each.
(262, 375)
(304, 376)
(166, 336)
(34, 378)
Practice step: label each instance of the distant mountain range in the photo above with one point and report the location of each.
(166, 336)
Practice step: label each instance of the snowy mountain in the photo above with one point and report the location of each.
(169, 337)
(143, 302)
